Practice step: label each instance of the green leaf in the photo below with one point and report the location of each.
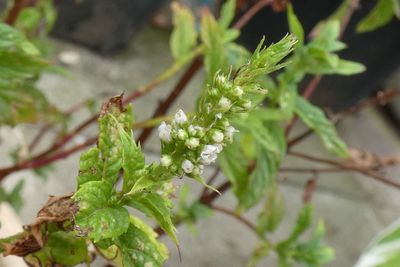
(139, 246)
(109, 142)
(271, 215)
(294, 25)
(11, 39)
(90, 166)
(346, 67)
(67, 249)
(212, 38)
(303, 222)
(16, 66)
(227, 14)
(184, 35)
(261, 251)
(314, 118)
(155, 206)
(14, 197)
(379, 16)
(132, 159)
(384, 249)
(98, 214)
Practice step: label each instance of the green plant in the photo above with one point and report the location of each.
(243, 118)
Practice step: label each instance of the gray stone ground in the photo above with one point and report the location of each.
(354, 208)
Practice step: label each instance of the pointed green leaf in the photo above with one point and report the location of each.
(227, 14)
(314, 118)
(379, 16)
(212, 38)
(271, 215)
(294, 25)
(184, 35)
(11, 39)
(155, 206)
(139, 246)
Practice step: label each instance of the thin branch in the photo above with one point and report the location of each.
(211, 179)
(236, 216)
(16, 10)
(251, 13)
(349, 166)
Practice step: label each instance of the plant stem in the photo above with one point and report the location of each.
(236, 216)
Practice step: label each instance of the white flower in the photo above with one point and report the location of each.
(218, 116)
(238, 91)
(218, 137)
(219, 147)
(224, 103)
(230, 131)
(196, 130)
(209, 154)
(182, 135)
(166, 161)
(192, 143)
(187, 166)
(164, 132)
(180, 117)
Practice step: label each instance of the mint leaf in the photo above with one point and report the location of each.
(67, 249)
(139, 246)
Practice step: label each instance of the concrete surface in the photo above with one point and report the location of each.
(355, 208)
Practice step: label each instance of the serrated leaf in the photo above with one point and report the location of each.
(155, 206)
(227, 14)
(132, 159)
(109, 142)
(139, 246)
(294, 25)
(314, 118)
(98, 215)
(67, 249)
(379, 16)
(184, 35)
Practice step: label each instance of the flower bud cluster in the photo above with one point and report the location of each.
(188, 144)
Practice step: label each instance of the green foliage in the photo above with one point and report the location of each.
(312, 252)
(139, 246)
(269, 218)
(20, 66)
(383, 251)
(295, 25)
(14, 197)
(67, 249)
(380, 15)
(314, 118)
(184, 35)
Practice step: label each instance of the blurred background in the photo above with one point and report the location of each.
(115, 46)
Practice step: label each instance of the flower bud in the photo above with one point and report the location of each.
(238, 91)
(224, 103)
(166, 161)
(246, 104)
(180, 117)
(187, 166)
(217, 137)
(192, 143)
(182, 135)
(164, 132)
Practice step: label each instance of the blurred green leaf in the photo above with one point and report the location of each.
(184, 35)
(227, 14)
(14, 198)
(379, 16)
(294, 25)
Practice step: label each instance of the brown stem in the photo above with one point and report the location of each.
(16, 9)
(236, 216)
(251, 13)
(348, 166)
